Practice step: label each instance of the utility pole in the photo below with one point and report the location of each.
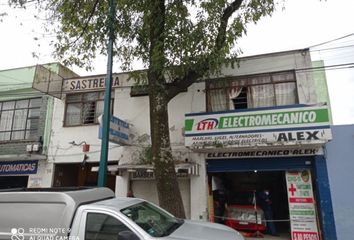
(102, 173)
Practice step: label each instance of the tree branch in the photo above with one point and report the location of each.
(220, 39)
(87, 22)
(191, 76)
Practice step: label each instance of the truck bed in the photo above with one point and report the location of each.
(44, 209)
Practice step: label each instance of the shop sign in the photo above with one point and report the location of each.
(285, 126)
(265, 153)
(302, 209)
(118, 131)
(18, 167)
(150, 175)
(81, 84)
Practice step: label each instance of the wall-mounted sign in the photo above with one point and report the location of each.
(18, 167)
(81, 84)
(265, 153)
(279, 126)
(118, 131)
(302, 209)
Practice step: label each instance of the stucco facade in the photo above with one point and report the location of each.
(340, 165)
(74, 164)
(25, 128)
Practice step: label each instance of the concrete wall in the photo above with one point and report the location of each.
(340, 164)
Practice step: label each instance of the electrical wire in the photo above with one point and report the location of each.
(333, 40)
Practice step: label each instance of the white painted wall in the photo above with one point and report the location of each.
(135, 110)
(146, 189)
(43, 177)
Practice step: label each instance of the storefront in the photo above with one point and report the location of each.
(15, 174)
(275, 152)
(80, 175)
(140, 180)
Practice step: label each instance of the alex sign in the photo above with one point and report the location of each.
(302, 209)
(257, 127)
(118, 131)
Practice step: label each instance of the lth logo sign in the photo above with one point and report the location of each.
(207, 124)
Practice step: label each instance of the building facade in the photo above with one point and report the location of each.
(25, 125)
(339, 155)
(260, 126)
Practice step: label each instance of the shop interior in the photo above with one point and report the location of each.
(244, 188)
(79, 175)
(7, 182)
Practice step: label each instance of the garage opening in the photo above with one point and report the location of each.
(243, 195)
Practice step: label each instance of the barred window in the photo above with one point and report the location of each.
(84, 108)
(263, 90)
(19, 119)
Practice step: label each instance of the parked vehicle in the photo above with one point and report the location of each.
(244, 214)
(96, 214)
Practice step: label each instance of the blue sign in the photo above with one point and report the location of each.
(118, 131)
(18, 167)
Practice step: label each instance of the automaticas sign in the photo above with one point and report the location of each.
(18, 167)
(258, 127)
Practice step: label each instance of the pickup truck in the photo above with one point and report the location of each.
(95, 213)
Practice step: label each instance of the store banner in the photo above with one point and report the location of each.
(90, 83)
(302, 208)
(275, 126)
(291, 152)
(18, 167)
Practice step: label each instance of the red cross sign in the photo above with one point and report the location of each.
(292, 189)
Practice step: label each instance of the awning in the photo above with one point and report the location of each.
(110, 168)
(181, 168)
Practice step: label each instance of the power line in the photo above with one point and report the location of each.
(333, 40)
(332, 48)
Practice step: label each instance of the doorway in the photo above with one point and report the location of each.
(13, 182)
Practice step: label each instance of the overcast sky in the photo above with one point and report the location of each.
(302, 24)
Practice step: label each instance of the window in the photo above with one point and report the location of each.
(84, 108)
(264, 90)
(104, 227)
(19, 119)
(151, 219)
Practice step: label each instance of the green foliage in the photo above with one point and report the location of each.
(145, 155)
(191, 31)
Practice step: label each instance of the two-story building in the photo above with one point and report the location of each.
(25, 127)
(260, 126)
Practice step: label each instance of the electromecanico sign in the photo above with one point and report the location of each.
(276, 126)
(302, 211)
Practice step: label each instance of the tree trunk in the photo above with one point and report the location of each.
(166, 180)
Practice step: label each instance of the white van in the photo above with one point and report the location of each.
(88, 214)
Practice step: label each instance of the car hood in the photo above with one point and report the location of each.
(198, 230)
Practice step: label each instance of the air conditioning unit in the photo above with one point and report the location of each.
(29, 148)
(35, 147)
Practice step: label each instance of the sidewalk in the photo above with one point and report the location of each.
(283, 236)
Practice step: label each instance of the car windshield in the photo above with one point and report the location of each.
(153, 220)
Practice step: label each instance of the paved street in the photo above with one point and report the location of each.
(269, 237)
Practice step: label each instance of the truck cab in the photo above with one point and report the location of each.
(95, 214)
